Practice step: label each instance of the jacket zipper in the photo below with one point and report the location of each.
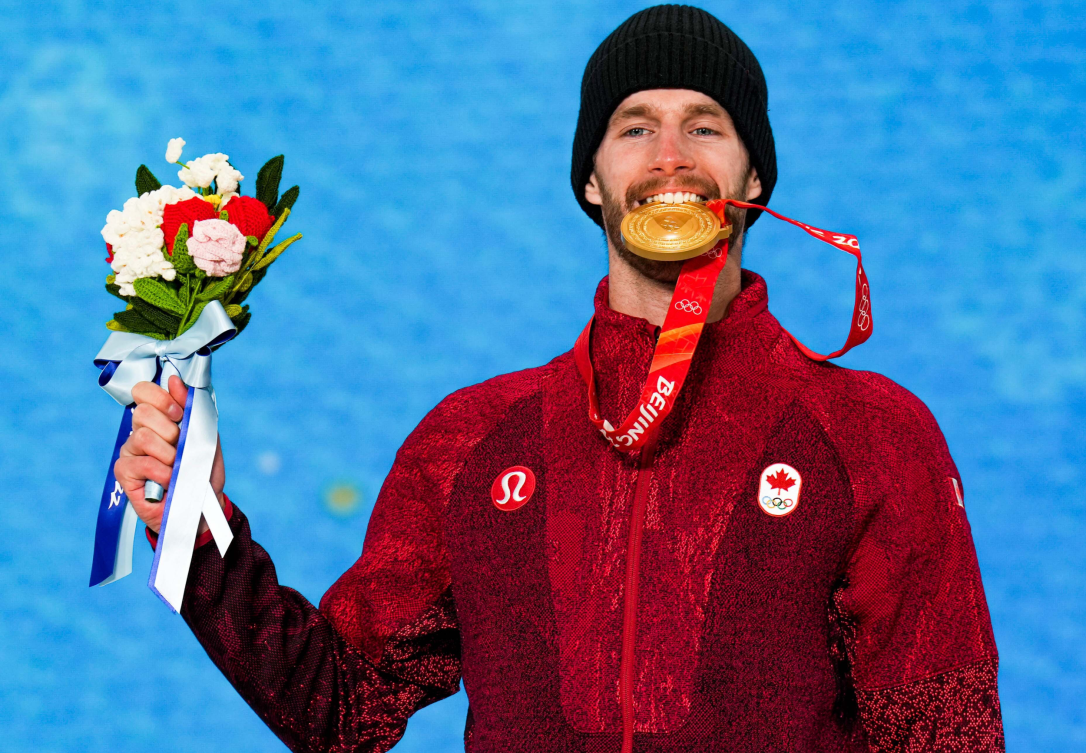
(629, 606)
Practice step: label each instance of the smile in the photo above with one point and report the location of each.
(675, 197)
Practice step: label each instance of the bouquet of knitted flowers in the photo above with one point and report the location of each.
(174, 250)
(184, 260)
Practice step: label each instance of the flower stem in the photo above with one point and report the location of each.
(194, 286)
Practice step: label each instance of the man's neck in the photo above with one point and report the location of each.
(632, 293)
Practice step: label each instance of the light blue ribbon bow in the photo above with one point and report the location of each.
(127, 359)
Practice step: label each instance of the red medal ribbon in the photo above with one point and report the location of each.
(682, 330)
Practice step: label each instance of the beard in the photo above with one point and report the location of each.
(666, 271)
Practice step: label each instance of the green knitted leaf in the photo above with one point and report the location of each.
(252, 240)
(258, 275)
(181, 259)
(267, 181)
(132, 320)
(233, 311)
(287, 201)
(274, 253)
(269, 236)
(217, 289)
(115, 289)
(224, 216)
(242, 318)
(162, 320)
(196, 311)
(115, 326)
(146, 181)
(245, 283)
(158, 293)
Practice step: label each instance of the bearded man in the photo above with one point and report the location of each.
(782, 563)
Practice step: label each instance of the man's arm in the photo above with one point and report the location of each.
(912, 607)
(342, 678)
(291, 663)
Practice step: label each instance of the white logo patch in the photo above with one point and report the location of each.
(778, 491)
(512, 488)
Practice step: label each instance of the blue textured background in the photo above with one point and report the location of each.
(431, 141)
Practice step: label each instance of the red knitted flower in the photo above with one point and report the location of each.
(109, 249)
(249, 215)
(189, 211)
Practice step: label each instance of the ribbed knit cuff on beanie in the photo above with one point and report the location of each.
(674, 47)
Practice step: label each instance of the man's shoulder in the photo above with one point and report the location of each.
(469, 414)
(885, 436)
(863, 404)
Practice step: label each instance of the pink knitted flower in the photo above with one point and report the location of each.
(216, 246)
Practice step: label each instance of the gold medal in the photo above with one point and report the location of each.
(672, 232)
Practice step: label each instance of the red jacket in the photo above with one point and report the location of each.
(655, 599)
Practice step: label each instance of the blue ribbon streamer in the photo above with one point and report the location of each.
(125, 360)
(114, 513)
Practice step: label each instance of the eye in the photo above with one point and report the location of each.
(704, 131)
(636, 131)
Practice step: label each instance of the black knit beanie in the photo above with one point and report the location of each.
(674, 47)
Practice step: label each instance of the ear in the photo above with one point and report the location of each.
(592, 190)
(754, 184)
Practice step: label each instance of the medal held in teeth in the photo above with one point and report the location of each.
(672, 232)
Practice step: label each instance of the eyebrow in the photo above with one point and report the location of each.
(642, 111)
(705, 109)
(635, 111)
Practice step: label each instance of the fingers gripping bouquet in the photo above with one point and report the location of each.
(184, 260)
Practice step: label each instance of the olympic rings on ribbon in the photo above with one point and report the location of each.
(690, 307)
(863, 318)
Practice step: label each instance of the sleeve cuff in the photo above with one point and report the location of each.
(203, 538)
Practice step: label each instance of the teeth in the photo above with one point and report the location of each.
(677, 197)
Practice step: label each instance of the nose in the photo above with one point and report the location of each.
(672, 155)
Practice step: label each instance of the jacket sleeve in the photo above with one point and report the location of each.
(384, 643)
(918, 633)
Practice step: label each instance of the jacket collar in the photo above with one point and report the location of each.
(622, 345)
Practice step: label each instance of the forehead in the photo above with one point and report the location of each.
(667, 102)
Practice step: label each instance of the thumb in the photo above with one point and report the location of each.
(178, 391)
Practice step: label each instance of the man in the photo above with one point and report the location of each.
(655, 600)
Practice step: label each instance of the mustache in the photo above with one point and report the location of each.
(694, 184)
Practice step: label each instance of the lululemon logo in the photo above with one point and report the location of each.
(778, 491)
(513, 488)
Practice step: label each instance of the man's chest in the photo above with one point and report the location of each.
(552, 531)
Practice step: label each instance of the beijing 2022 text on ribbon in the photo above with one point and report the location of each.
(184, 260)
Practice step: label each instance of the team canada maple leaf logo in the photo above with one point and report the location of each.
(778, 491)
(781, 481)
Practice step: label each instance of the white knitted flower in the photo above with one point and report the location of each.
(227, 179)
(135, 234)
(173, 150)
(199, 173)
(202, 171)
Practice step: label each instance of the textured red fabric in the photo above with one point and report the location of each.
(901, 718)
(249, 215)
(858, 622)
(189, 211)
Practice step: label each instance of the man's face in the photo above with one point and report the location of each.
(662, 141)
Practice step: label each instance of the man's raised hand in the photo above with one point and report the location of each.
(149, 452)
